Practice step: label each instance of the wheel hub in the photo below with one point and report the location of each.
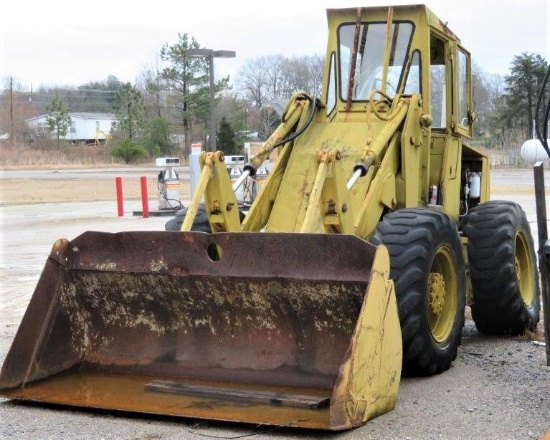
(436, 292)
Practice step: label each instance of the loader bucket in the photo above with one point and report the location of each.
(270, 328)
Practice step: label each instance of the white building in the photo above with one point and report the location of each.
(88, 128)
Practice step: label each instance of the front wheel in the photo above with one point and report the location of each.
(506, 293)
(428, 270)
(199, 224)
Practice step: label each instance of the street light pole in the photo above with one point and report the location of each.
(213, 121)
(211, 54)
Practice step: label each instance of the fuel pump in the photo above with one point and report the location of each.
(235, 166)
(168, 183)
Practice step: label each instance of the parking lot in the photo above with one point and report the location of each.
(497, 388)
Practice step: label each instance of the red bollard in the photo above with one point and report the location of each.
(144, 198)
(119, 198)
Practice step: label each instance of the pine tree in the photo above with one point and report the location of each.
(226, 139)
(523, 87)
(58, 118)
(188, 81)
(129, 110)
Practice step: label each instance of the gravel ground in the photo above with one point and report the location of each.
(498, 388)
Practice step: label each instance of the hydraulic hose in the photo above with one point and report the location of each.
(315, 102)
(251, 168)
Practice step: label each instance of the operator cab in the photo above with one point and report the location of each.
(378, 53)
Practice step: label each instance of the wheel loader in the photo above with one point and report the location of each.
(351, 268)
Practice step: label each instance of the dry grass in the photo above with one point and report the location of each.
(19, 191)
(48, 155)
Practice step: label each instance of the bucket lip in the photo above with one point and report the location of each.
(249, 414)
(285, 255)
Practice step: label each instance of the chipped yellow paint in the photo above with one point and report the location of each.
(368, 382)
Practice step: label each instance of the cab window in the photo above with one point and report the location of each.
(369, 63)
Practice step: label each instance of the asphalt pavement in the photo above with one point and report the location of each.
(424, 409)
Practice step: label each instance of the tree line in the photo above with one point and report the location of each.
(170, 101)
(506, 105)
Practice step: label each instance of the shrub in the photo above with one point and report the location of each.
(128, 151)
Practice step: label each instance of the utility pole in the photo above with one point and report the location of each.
(12, 140)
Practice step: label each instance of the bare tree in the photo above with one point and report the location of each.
(153, 86)
(275, 78)
(14, 111)
(488, 91)
(253, 81)
(495, 87)
(305, 73)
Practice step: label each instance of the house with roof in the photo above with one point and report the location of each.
(86, 128)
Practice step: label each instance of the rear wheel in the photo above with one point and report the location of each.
(428, 270)
(506, 293)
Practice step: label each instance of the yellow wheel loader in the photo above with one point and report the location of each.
(352, 266)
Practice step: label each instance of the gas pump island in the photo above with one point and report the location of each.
(168, 184)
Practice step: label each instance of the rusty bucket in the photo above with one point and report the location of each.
(282, 329)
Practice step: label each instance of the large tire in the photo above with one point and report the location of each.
(506, 292)
(428, 270)
(200, 223)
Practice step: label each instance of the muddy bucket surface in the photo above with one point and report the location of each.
(253, 327)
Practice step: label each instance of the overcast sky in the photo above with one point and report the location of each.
(62, 42)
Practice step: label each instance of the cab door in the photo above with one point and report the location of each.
(463, 112)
